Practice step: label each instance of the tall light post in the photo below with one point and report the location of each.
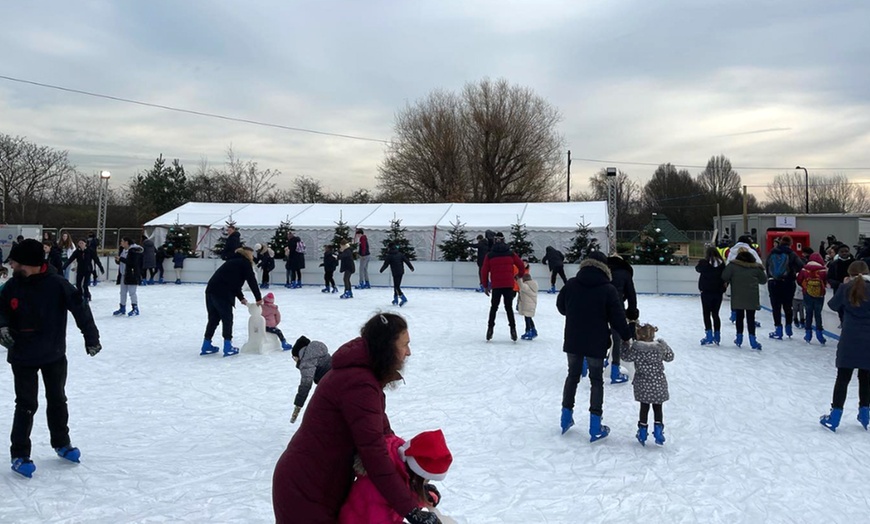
(611, 207)
(569, 175)
(806, 189)
(103, 206)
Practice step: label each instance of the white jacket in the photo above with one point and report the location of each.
(528, 297)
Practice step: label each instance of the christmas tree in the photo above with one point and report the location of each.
(342, 235)
(279, 240)
(218, 248)
(178, 239)
(396, 236)
(519, 244)
(582, 244)
(456, 247)
(653, 248)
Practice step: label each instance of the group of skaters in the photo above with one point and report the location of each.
(797, 283)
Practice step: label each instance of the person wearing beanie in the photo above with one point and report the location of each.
(346, 417)
(813, 281)
(422, 459)
(265, 259)
(33, 321)
(270, 312)
(591, 306)
(497, 275)
(221, 292)
(313, 361)
(129, 262)
(346, 267)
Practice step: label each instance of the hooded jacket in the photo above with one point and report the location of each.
(528, 298)
(232, 243)
(853, 349)
(149, 254)
(744, 279)
(622, 278)
(131, 261)
(346, 417)
(650, 383)
(838, 269)
(227, 281)
(271, 313)
(35, 309)
(345, 259)
(815, 269)
(710, 279)
(554, 259)
(498, 267)
(329, 261)
(396, 261)
(314, 361)
(591, 306)
(795, 264)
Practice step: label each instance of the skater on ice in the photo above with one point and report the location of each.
(853, 350)
(329, 264)
(555, 261)
(622, 278)
(33, 317)
(813, 281)
(527, 301)
(130, 275)
(313, 361)
(396, 261)
(712, 289)
(650, 383)
(362, 242)
(347, 417)
(418, 461)
(744, 274)
(346, 267)
(223, 288)
(498, 272)
(592, 308)
(782, 267)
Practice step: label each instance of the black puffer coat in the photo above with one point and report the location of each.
(710, 280)
(622, 278)
(554, 259)
(345, 258)
(132, 260)
(591, 306)
(396, 260)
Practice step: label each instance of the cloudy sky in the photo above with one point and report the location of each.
(770, 84)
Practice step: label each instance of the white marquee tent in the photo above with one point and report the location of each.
(547, 223)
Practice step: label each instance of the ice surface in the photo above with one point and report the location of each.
(169, 436)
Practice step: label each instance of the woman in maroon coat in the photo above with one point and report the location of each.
(346, 416)
(498, 270)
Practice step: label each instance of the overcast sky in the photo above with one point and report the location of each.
(768, 84)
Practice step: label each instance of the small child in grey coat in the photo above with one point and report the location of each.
(650, 382)
(313, 361)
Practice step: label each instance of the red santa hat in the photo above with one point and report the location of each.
(427, 455)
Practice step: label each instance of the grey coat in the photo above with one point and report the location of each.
(314, 362)
(650, 382)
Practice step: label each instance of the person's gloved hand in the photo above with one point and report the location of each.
(433, 495)
(632, 313)
(93, 350)
(486, 291)
(6, 337)
(418, 516)
(296, 411)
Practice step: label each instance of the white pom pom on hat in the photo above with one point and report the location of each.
(427, 455)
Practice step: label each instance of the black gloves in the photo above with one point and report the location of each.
(93, 350)
(418, 516)
(433, 495)
(632, 313)
(6, 338)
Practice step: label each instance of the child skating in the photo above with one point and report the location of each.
(313, 361)
(273, 318)
(330, 262)
(650, 382)
(396, 261)
(527, 303)
(813, 280)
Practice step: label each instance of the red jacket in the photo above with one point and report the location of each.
(346, 416)
(365, 504)
(815, 269)
(498, 266)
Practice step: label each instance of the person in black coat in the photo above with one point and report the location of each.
(264, 258)
(712, 289)
(396, 261)
(294, 261)
(53, 255)
(33, 318)
(781, 288)
(329, 264)
(622, 278)
(591, 306)
(94, 245)
(482, 247)
(160, 258)
(347, 268)
(129, 262)
(220, 294)
(86, 260)
(233, 243)
(555, 261)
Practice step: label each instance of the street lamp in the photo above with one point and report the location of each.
(806, 188)
(611, 207)
(102, 206)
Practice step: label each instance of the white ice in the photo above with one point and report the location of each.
(169, 436)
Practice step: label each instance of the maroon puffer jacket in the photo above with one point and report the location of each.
(346, 415)
(499, 266)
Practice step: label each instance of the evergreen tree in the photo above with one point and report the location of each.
(456, 246)
(396, 236)
(519, 245)
(653, 248)
(178, 239)
(279, 240)
(342, 234)
(218, 248)
(582, 244)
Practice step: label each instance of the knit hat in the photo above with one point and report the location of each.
(258, 247)
(269, 298)
(301, 342)
(28, 252)
(427, 455)
(597, 255)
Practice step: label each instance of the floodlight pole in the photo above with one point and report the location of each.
(569, 175)
(611, 208)
(806, 189)
(103, 207)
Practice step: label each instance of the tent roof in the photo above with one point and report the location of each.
(475, 217)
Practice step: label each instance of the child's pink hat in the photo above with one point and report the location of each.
(269, 298)
(427, 455)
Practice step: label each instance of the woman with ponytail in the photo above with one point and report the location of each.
(852, 301)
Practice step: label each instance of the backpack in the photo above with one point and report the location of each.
(813, 285)
(777, 265)
(300, 246)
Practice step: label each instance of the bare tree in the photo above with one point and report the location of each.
(627, 190)
(827, 194)
(306, 190)
(254, 183)
(676, 194)
(721, 184)
(493, 143)
(28, 173)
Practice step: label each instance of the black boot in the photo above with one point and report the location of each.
(514, 333)
(489, 332)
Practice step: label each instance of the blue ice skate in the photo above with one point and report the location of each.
(808, 336)
(708, 338)
(864, 416)
(567, 419)
(717, 337)
(642, 433)
(776, 334)
(208, 348)
(738, 340)
(753, 343)
(659, 433)
(229, 350)
(69, 453)
(617, 376)
(23, 466)
(597, 431)
(820, 336)
(788, 331)
(832, 420)
(402, 300)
